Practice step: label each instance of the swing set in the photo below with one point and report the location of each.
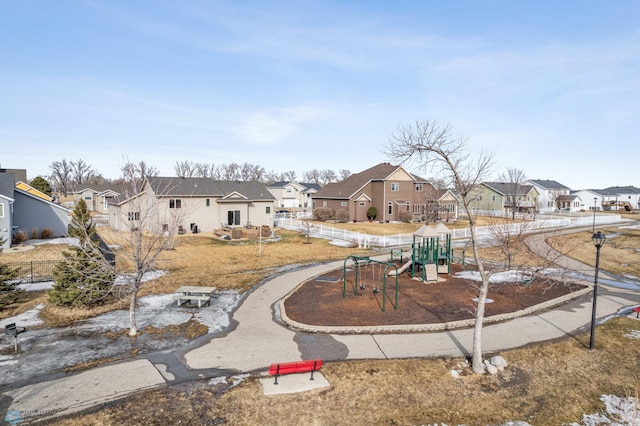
(369, 271)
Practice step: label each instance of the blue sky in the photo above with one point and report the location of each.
(552, 87)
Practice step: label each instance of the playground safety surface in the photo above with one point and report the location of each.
(320, 301)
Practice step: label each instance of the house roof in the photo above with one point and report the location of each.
(7, 184)
(31, 190)
(99, 188)
(547, 184)
(568, 198)
(506, 188)
(206, 187)
(346, 188)
(623, 189)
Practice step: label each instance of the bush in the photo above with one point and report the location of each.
(46, 234)
(322, 214)
(19, 237)
(34, 234)
(342, 216)
(372, 213)
(406, 216)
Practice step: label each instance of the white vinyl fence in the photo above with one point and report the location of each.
(366, 240)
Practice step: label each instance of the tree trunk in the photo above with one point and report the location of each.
(477, 363)
(133, 330)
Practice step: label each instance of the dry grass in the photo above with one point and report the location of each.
(619, 255)
(39, 252)
(547, 384)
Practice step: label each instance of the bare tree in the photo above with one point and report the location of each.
(289, 176)
(135, 174)
(313, 176)
(514, 180)
(185, 169)
(431, 146)
(306, 228)
(328, 176)
(151, 231)
(344, 173)
(81, 172)
(61, 176)
(231, 171)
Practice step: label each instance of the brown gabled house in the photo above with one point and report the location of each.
(388, 188)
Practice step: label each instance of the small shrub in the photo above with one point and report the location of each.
(322, 214)
(372, 213)
(406, 216)
(34, 234)
(46, 234)
(19, 237)
(342, 216)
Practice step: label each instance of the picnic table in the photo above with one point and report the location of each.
(191, 294)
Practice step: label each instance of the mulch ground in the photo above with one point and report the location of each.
(320, 300)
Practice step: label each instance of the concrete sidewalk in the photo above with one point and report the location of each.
(260, 339)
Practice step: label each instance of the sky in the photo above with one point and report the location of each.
(550, 87)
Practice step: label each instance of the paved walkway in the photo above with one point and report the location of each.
(257, 339)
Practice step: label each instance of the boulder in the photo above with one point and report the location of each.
(499, 362)
(492, 369)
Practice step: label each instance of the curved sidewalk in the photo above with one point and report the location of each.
(259, 340)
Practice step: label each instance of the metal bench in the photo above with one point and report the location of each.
(295, 367)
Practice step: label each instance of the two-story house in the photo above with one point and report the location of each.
(294, 196)
(388, 188)
(549, 191)
(504, 198)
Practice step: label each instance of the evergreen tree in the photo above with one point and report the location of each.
(41, 185)
(83, 278)
(9, 291)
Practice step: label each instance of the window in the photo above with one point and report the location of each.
(343, 204)
(268, 210)
(88, 196)
(165, 227)
(390, 208)
(362, 203)
(1, 210)
(207, 202)
(395, 186)
(175, 203)
(493, 198)
(324, 204)
(233, 217)
(133, 215)
(418, 187)
(288, 190)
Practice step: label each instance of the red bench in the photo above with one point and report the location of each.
(637, 311)
(295, 367)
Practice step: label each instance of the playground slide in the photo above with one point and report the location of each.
(402, 268)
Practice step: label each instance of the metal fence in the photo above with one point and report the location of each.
(34, 272)
(368, 240)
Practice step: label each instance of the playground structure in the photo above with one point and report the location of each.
(431, 253)
(370, 271)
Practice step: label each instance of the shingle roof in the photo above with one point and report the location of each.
(547, 184)
(623, 189)
(506, 188)
(349, 186)
(203, 187)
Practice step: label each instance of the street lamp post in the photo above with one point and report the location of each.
(594, 214)
(598, 240)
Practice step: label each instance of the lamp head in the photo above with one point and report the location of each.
(599, 239)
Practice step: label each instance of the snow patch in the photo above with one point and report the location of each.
(634, 334)
(25, 319)
(618, 411)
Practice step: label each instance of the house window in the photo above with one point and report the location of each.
(175, 203)
(362, 203)
(88, 197)
(133, 215)
(390, 208)
(165, 228)
(268, 210)
(324, 204)
(395, 186)
(418, 187)
(493, 198)
(288, 190)
(207, 202)
(1, 210)
(343, 204)
(233, 217)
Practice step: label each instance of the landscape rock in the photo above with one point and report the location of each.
(492, 369)
(454, 374)
(499, 362)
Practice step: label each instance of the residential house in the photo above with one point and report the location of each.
(390, 189)
(503, 197)
(624, 198)
(294, 196)
(22, 209)
(194, 204)
(549, 191)
(97, 196)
